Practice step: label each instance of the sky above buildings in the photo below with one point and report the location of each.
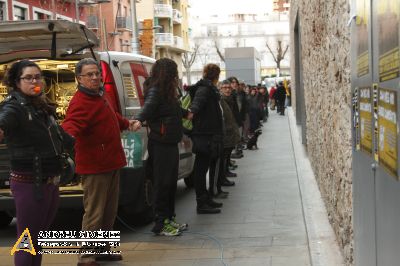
(212, 7)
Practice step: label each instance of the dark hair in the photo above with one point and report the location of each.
(15, 72)
(84, 62)
(12, 78)
(211, 72)
(226, 81)
(233, 79)
(164, 76)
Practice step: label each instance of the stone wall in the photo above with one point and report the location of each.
(325, 59)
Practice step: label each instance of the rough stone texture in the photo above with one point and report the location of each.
(325, 58)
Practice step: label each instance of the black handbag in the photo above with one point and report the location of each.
(66, 160)
(67, 169)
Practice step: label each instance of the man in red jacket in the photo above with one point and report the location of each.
(99, 155)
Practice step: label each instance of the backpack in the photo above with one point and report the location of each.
(186, 101)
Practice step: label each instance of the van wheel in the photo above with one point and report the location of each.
(135, 217)
(189, 180)
(5, 219)
(126, 216)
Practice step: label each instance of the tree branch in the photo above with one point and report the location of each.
(276, 61)
(194, 54)
(189, 57)
(221, 56)
(284, 53)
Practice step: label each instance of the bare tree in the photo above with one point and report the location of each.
(216, 45)
(188, 60)
(280, 54)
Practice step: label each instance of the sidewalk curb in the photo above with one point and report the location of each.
(323, 247)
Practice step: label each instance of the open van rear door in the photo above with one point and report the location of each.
(52, 39)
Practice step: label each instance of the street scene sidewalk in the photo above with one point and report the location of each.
(274, 215)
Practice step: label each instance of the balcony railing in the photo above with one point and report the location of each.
(92, 22)
(162, 11)
(176, 16)
(124, 23)
(178, 42)
(164, 39)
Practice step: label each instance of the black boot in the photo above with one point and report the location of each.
(204, 207)
(227, 183)
(221, 194)
(230, 174)
(213, 203)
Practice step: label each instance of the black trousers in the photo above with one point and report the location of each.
(201, 166)
(254, 119)
(217, 178)
(165, 161)
(217, 171)
(280, 106)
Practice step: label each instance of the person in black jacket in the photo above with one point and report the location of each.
(280, 96)
(206, 134)
(34, 140)
(254, 109)
(163, 114)
(237, 106)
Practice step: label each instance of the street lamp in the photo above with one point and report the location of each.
(135, 32)
(88, 3)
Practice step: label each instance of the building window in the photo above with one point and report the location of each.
(3, 12)
(39, 16)
(20, 13)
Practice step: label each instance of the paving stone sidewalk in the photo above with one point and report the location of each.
(274, 216)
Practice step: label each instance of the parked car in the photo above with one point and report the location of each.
(56, 46)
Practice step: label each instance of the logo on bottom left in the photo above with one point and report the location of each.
(24, 243)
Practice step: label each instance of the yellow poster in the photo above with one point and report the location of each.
(388, 23)
(363, 12)
(366, 120)
(387, 130)
(356, 119)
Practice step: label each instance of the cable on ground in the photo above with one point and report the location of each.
(220, 246)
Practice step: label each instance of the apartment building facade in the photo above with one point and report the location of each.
(164, 29)
(215, 33)
(37, 9)
(281, 5)
(111, 20)
(113, 23)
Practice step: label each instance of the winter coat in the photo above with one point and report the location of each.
(207, 118)
(163, 117)
(243, 105)
(280, 94)
(231, 129)
(254, 102)
(30, 131)
(271, 93)
(235, 109)
(97, 127)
